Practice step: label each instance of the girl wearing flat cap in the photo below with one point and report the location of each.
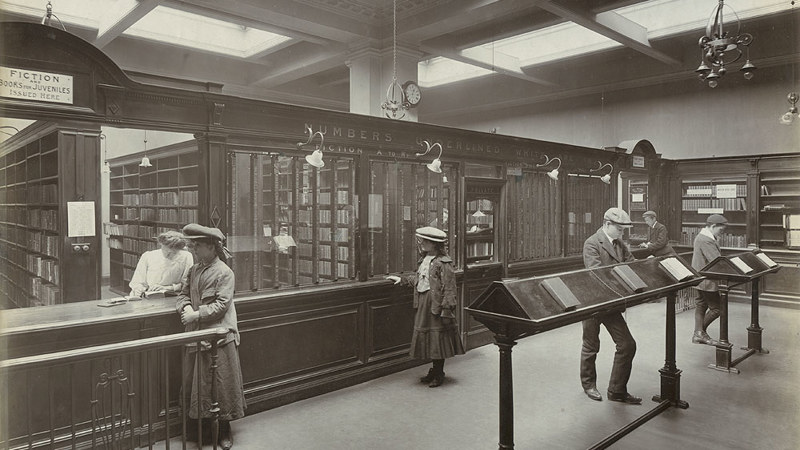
(435, 329)
(206, 301)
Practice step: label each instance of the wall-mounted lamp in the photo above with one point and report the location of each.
(145, 160)
(553, 173)
(106, 168)
(4, 127)
(607, 177)
(436, 164)
(315, 158)
(788, 117)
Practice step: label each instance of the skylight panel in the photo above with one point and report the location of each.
(669, 17)
(554, 43)
(204, 33)
(438, 71)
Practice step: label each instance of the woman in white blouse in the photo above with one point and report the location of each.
(165, 269)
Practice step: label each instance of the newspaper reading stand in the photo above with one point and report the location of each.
(513, 309)
(731, 271)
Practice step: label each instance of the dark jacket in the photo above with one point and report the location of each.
(599, 252)
(657, 241)
(706, 250)
(442, 280)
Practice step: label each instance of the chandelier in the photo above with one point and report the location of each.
(396, 104)
(720, 47)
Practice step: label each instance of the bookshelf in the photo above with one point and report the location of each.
(37, 177)
(146, 201)
(480, 237)
(638, 204)
(701, 198)
(779, 213)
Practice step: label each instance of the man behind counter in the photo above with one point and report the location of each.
(605, 248)
(657, 242)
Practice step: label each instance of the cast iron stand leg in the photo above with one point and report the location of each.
(506, 392)
(724, 347)
(754, 330)
(670, 374)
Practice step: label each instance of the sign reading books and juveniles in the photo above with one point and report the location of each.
(34, 85)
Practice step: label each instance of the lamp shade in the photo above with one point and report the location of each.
(606, 179)
(435, 165)
(315, 159)
(553, 174)
(145, 162)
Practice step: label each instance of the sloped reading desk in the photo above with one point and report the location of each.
(733, 270)
(513, 309)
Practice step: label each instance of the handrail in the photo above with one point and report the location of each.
(99, 351)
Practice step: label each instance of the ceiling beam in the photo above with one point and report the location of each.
(612, 26)
(296, 68)
(455, 16)
(487, 59)
(115, 22)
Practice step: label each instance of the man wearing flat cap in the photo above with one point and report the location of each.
(707, 306)
(657, 242)
(205, 302)
(606, 248)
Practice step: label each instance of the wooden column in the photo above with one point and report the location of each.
(213, 182)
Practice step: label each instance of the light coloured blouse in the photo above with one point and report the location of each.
(154, 270)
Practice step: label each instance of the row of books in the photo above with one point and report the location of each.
(137, 245)
(688, 234)
(141, 231)
(130, 259)
(323, 234)
(324, 268)
(43, 267)
(42, 193)
(168, 198)
(46, 293)
(706, 190)
(727, 204)
(342, 216)
(46, 219)
(29, 193)
(480, 249)
(43, 243)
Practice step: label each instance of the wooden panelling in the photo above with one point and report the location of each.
(301, 342)
(390, 324)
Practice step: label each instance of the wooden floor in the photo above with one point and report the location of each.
(757, 409)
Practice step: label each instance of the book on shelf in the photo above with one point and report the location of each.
(675, 269)
(629, 278)
(561, 293)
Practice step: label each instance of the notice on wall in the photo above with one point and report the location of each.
(638, 161)
(726, 191)
(34, 85)
(80, 219)
(637, 197)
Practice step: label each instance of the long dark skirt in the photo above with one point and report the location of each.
(230, 392)
(434, 337)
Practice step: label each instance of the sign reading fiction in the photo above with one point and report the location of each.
(33, 85)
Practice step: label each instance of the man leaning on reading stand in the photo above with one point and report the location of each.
(706, 249)
(606, 248)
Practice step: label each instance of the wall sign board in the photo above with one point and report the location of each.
(35, 85)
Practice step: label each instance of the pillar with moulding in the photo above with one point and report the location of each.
(371, 72)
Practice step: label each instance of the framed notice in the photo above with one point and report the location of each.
(80, 219)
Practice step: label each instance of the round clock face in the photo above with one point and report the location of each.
(413, 94)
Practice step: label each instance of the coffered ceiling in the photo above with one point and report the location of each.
(295, 51)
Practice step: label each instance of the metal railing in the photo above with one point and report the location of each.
(113, 396)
